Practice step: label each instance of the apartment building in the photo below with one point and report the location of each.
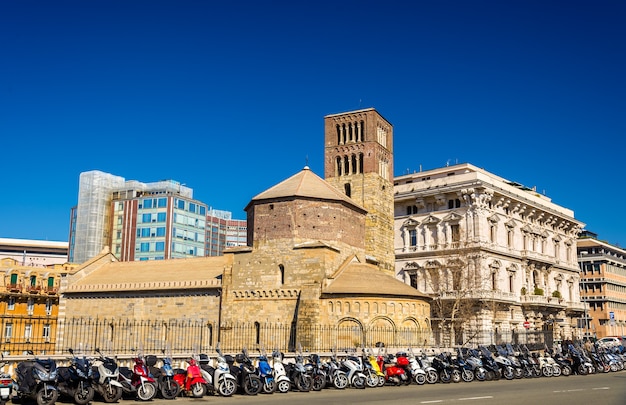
(602, 286)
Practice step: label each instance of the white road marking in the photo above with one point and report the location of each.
(470, 398)
(601, 388)
(431, 402)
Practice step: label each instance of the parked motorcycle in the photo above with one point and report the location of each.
(334, 375)
(219, 379)
(283, 382)
(394, 373)
(36, 380)
(6, 383)
(167, 386)
(74, 381)
(138, 382)
(105, 378)
(190, 380)
(315, 370)
(246, 374)
(265, 372)
(297, 374)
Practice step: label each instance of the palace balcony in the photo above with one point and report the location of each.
(14, 288)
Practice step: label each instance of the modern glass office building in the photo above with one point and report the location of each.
(140, 221)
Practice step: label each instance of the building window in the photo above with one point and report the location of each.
(281, 269)
(146, 218)
(8, 332)
(348, 189)
(30, 306)
(413, 280)
(413, 237)
(162, 202)
(11, 304)
(160, 246)
(28, 330)
(46, 332)
(48, 307)
(456, 233)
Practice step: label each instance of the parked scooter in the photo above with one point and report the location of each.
(74, 381)
(394, 374)
(138, 382)
(334, 375)
(283, 382)
(297, 374)
(413, 367)
(105, 378)
(6, 384)
(353, 368)
(219, 379)
(315, 370)
(246, 374)
(36, 380)
(265, 372)
(374, 375)
(190, 380)
(167, 386)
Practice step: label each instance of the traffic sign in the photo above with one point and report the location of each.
(526, 324)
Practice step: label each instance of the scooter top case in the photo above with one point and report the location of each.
(151, 360)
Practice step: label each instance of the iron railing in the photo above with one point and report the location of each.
(127, 336)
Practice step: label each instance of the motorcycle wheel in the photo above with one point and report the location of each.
(546, 371)
(536, 372)
(112, 393)
(269, 387)
(47, 397)
(381, 381)
(283, 386)
(340, 381)
(371, 379)
(319, 382)
(83, 395)
(445, 376)
(508, 373)
(556, 370)
(146, 391)
(566, 370)
(303, 382)
(170, 389)
(456, 376)
(358, 382)
(197, 390)
(467, 375)
(519, 372)
(480, 374)
(252, 385)
(226, 387)
(432, 377)
(420, 378)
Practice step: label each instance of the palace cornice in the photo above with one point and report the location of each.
(420, 190)
(146, 286)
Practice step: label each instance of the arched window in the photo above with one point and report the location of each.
(281, 269)
(348, 189)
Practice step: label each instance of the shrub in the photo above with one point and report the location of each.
(538, 291)
(556, 294)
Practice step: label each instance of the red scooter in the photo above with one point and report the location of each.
(138, 381)
(191, 382)
(394, 374)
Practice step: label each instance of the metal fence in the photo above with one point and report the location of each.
(126, 336)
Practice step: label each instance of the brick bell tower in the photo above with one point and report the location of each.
(358, 160)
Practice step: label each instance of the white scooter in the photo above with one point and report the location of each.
(283, 383)
(354, 370)
(219, 378)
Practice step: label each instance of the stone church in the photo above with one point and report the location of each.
(319, 254)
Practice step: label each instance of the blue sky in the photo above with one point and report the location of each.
(229, 97)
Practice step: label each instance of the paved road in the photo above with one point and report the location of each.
(601, 389)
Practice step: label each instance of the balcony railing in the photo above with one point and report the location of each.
(33, 289)
(14, 287)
